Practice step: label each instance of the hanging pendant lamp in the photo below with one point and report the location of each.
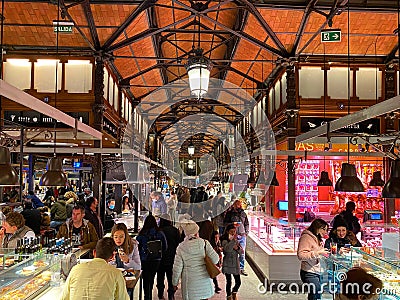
(392, 187)
(324, 180)
(274, 181)
(377, 179)
(349, 182)
(8, 176)
(54, 175)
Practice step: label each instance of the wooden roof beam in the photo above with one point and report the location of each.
(92, 26)
(302, 26)
(144, 34)
(254, 11)
(142, 6)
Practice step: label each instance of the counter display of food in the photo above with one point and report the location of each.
(29, 277)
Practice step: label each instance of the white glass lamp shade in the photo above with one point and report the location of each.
(191, 150)
(199, 76)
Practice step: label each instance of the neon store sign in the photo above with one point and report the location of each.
(320, 147)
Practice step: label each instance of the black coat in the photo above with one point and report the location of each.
(173, 239)
(33, 219)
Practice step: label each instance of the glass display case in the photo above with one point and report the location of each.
(6, 259)
(28, 278)
(380, 262)
(276, 235)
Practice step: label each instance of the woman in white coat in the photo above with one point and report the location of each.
(189, 265)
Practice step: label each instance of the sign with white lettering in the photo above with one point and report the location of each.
(63, 26)
(31, 118)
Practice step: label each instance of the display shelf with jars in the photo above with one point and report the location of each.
(30, 277)
(380, 262)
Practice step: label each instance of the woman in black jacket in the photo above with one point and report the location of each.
(341, 236)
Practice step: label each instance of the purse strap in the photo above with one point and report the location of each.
(205, 250)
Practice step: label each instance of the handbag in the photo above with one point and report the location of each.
(212, 269)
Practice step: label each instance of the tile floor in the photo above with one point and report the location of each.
(248, 290)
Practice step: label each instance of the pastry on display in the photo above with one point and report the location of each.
(8, 262)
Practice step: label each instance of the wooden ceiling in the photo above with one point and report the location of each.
(147, 43)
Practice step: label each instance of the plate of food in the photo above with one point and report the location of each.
(26, 271)
(40, 264)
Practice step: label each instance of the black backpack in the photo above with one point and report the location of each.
(154, 249)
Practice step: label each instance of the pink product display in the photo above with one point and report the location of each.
(307, 176)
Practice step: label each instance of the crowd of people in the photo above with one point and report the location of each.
(168, 247)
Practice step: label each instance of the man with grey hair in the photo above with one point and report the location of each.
(158, 205)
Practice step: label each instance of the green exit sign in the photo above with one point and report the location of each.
(63, 27)
(331, 35)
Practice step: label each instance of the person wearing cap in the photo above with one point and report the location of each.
(341, 236)
(189, 265)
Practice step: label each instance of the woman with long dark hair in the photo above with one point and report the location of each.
(152, 243)
(309, 251)
(128, 248)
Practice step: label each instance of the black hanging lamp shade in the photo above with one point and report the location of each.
(349, 182)
(54, 175)
(324, 180)
(8, 176)
(377, 179)
(392, 187)
(274, 181)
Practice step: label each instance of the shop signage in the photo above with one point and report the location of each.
(31, 118)
(369, 126)
(331, 35)
(63, 26)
